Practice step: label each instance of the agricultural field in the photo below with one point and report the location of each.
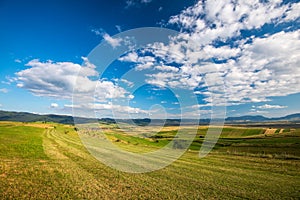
(48, 161)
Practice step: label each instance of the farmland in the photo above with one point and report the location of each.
(48, 161)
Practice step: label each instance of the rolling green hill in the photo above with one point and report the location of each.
(48, 161)
(65, 119)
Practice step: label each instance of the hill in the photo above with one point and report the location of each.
(65, 119)
(30, 117)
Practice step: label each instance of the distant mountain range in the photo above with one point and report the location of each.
(260, 118)
(64, 119)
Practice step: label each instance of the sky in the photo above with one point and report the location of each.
(242, 56)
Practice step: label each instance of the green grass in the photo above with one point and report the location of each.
(21, 142)
(40, 163)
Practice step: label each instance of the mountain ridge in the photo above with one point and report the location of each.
(67, 119)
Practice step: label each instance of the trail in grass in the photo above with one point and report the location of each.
(64, 169)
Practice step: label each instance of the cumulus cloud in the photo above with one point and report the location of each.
(135, 58)
(114, 42)
(268, 106)
(52, 79)
(58, 79)
(130, 57)
(211, 56)
(246, 69)
(67, 80)
(141, 62)
(143, 66)
(235, 14)
(119, 108)
(54, 105)
(166, 68)
(293, 13)
(107, 110)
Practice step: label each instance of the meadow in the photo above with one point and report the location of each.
(48, 161)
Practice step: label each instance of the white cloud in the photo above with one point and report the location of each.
(143, 66)
(131, 3)
(4, 90)
(49, 78)
(167, 68)
(114, 42)
(71, 106)
(20, 85)
(253, 69)
(62, 81)
(236, 14)
(255, 112)
(268, 106)
(224, 52)
(119, 28)
(293, 13)
(270, 65)
(107, 110)
(58, 79)
(54, 105)
(18, 61)
(210, 21)
(130, 96)
(119, 109)
(128, 83)
(135, 58)
(89, 65)
(107, 90)
(141, 62)
(130, 57)
(97, 31)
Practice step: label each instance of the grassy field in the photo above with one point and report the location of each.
(48, 161)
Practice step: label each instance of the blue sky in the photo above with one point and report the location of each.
(244, 55)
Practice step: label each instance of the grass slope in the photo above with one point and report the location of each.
(39, 161)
